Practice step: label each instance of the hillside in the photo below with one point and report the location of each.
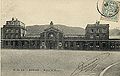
(114, 32)
(37, 29)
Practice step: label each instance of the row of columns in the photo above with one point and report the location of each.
(29, 44)
(21, 44)
(71, 45)
(92, 45)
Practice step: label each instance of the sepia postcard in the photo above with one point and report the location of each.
(60, 37)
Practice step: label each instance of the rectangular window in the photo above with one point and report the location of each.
(16, 36)
(104, 30)
(98, 31)
(91, 44)
(11, 42)
(16, 43)
(97, 44)
(92, 30)
(6, 42)
(23, 43)
(12, 35)
(97, 36)
(7, 36)
(17, 30)
(8, 30)
(12, 30)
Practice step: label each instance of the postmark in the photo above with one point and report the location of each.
(110, 8)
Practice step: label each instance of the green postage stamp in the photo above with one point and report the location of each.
(110, 10)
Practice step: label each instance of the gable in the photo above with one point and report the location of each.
(52, 29)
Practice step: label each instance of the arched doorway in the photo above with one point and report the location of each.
(52, 44)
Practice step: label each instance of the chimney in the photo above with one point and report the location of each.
(51, 23)
(97, 23)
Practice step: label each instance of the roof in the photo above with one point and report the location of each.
(97, 24)
(100, 25)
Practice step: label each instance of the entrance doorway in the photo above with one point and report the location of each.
(52, 44)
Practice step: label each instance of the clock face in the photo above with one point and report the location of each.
(51, 35)
(110, 8)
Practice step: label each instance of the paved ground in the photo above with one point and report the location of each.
(57, 62)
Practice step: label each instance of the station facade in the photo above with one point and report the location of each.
(13, 36)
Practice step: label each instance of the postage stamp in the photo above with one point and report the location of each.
(110, 10)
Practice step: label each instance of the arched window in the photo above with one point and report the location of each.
(7, 36)
(12, 36)
(12, 30)
(51, 35)
(98, 31)
(8, 30)
(16, 36)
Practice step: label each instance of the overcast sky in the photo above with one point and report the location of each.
(68, 12)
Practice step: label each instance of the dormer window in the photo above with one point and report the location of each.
(98, 31)
(91, 31)
(103, 30)
(7, 30)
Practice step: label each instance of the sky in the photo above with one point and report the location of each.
(75, 13)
